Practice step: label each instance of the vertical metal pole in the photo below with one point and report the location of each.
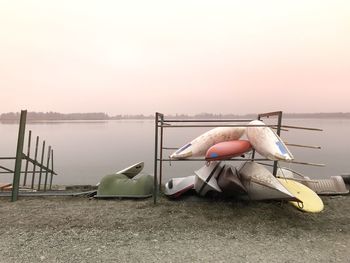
(47, 167)
(279, 123)
(19, 153)
(155, 186)
(275, 163)
(35, 160)
(161, 153)
(51, 169)
(41, 164)
(253, 153)
(27, 159)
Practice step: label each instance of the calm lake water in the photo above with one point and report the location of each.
(86, 151)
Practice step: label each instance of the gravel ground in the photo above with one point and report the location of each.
(76, 229)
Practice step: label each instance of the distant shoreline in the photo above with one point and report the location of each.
(98, 116)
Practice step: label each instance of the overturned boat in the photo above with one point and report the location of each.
(121, 185)
(206, 178)
(176, 187)
(261, 184)
(130, 171)
(229, 182)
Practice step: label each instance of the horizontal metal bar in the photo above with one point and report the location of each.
(305, 163)
(303, 146)
(301, 128)
(296, 162)
(7, 158)
(203, 160)
(209, 120)
(22, 172)
(219, 125)
(236, 125)
(47, 193)
(169, 148)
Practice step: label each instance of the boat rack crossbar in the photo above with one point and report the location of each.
(42, 170)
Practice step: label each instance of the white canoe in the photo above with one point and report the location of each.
(261, 184)
(267, 143)
(205, 180)
(175, 187)
(200, 145)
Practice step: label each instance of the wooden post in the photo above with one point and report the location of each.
(19, 155)
(35, 160)
(41, 164)
(47, 167)
(27, 159)
(51, 169)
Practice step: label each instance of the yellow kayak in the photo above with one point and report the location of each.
(311, 202)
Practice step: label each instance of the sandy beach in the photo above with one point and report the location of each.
(77, 229)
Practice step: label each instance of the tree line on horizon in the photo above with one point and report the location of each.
(53, 116)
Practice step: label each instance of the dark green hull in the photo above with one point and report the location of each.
(119, 185)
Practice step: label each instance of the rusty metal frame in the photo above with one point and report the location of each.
(161, 123)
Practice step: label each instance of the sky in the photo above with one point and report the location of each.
(139, 57)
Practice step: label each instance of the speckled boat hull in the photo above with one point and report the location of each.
(261, 184)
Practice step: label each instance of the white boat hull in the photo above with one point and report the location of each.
(267, 143)
(205, 179)
(178, 186)
(230, 183)
(261, 184)
(132, 170)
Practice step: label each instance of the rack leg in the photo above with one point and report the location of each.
(155, 186)
(19, 153)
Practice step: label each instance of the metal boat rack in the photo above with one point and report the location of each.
(161, 123)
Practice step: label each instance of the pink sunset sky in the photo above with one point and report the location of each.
(130, 57)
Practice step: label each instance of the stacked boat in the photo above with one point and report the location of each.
(250, 180)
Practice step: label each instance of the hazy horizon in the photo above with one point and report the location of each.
(106, 116)
(175, 57)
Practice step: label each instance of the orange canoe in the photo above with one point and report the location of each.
(227, 150)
